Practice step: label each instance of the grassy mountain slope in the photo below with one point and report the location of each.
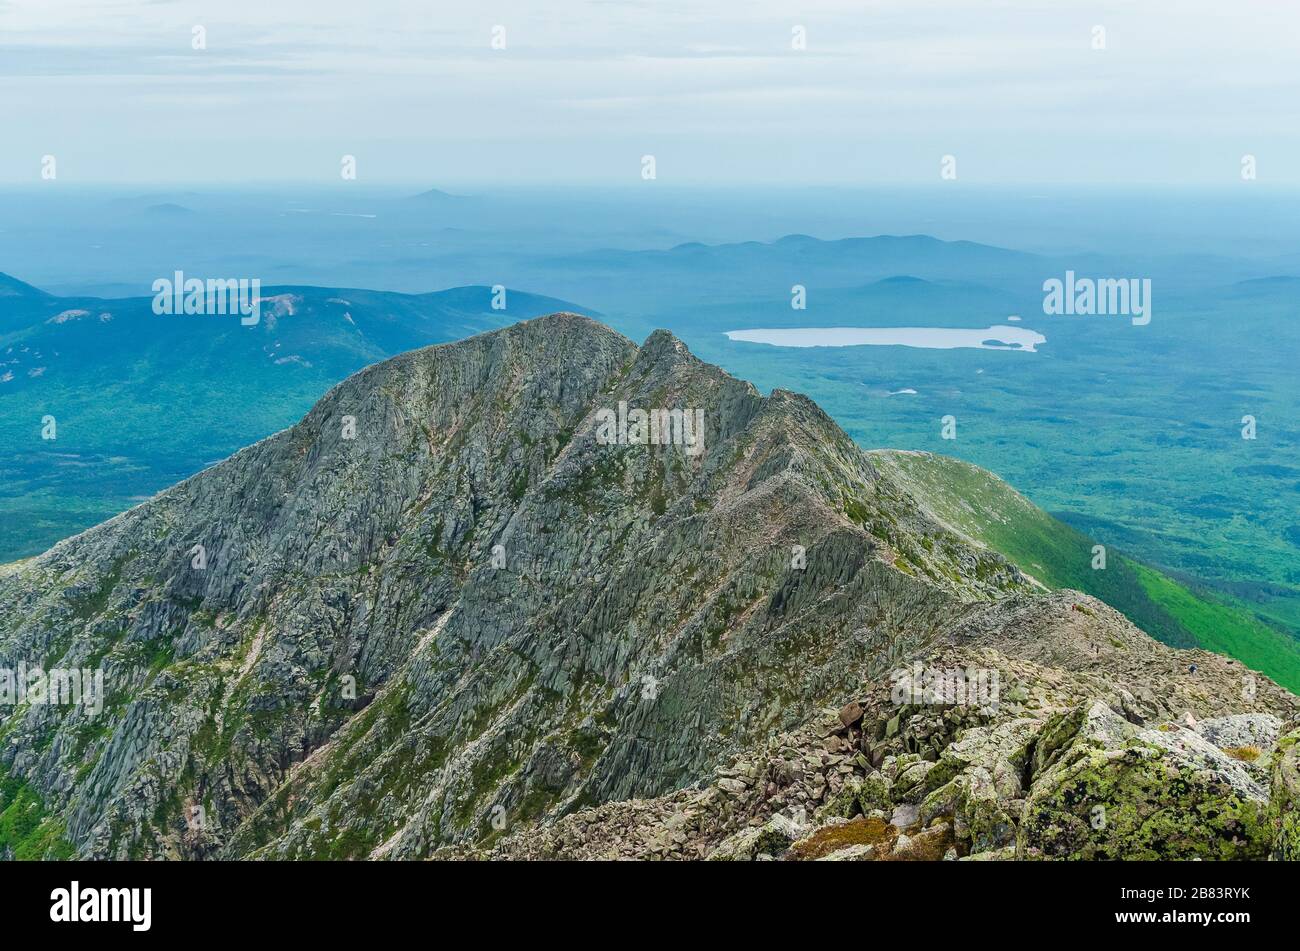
(983, 507)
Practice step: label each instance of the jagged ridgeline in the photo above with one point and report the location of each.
(447, 613)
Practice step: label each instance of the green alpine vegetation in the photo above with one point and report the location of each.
(26, 831)
(986, 509)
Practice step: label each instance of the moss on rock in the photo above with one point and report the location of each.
(1115, 791)
(1284, 801)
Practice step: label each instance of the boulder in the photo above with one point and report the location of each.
(1242, 731)
(851, 714)
(1105, 788)
(1284, 799)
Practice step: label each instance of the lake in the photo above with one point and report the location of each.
(930, 338)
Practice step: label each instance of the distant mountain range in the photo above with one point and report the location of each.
(754, 270)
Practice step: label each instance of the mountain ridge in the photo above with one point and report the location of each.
(442, 598)
(12, 287)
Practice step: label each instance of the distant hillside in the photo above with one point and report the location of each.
(437, 196)
(12, 287)
(169, 209)
(141, 400)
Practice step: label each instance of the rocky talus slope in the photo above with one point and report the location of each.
(441, 616)
(1102, 744)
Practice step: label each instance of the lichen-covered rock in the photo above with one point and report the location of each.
(739, 847)
(989, 763)
(910, 778)
(1284, 799)
(981, 817)
(1241, 731)
(1108, 789)
(1004, 854)
(860, 796)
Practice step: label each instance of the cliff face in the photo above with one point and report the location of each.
(461, 600)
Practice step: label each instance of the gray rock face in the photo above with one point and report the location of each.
(1242, 731)
(447, 614)
(1057, 767)
(442, 605)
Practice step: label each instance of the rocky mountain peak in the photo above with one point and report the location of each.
(486, 585)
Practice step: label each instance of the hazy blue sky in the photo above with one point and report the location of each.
(885, 88)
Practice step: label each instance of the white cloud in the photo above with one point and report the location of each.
(584, 88)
